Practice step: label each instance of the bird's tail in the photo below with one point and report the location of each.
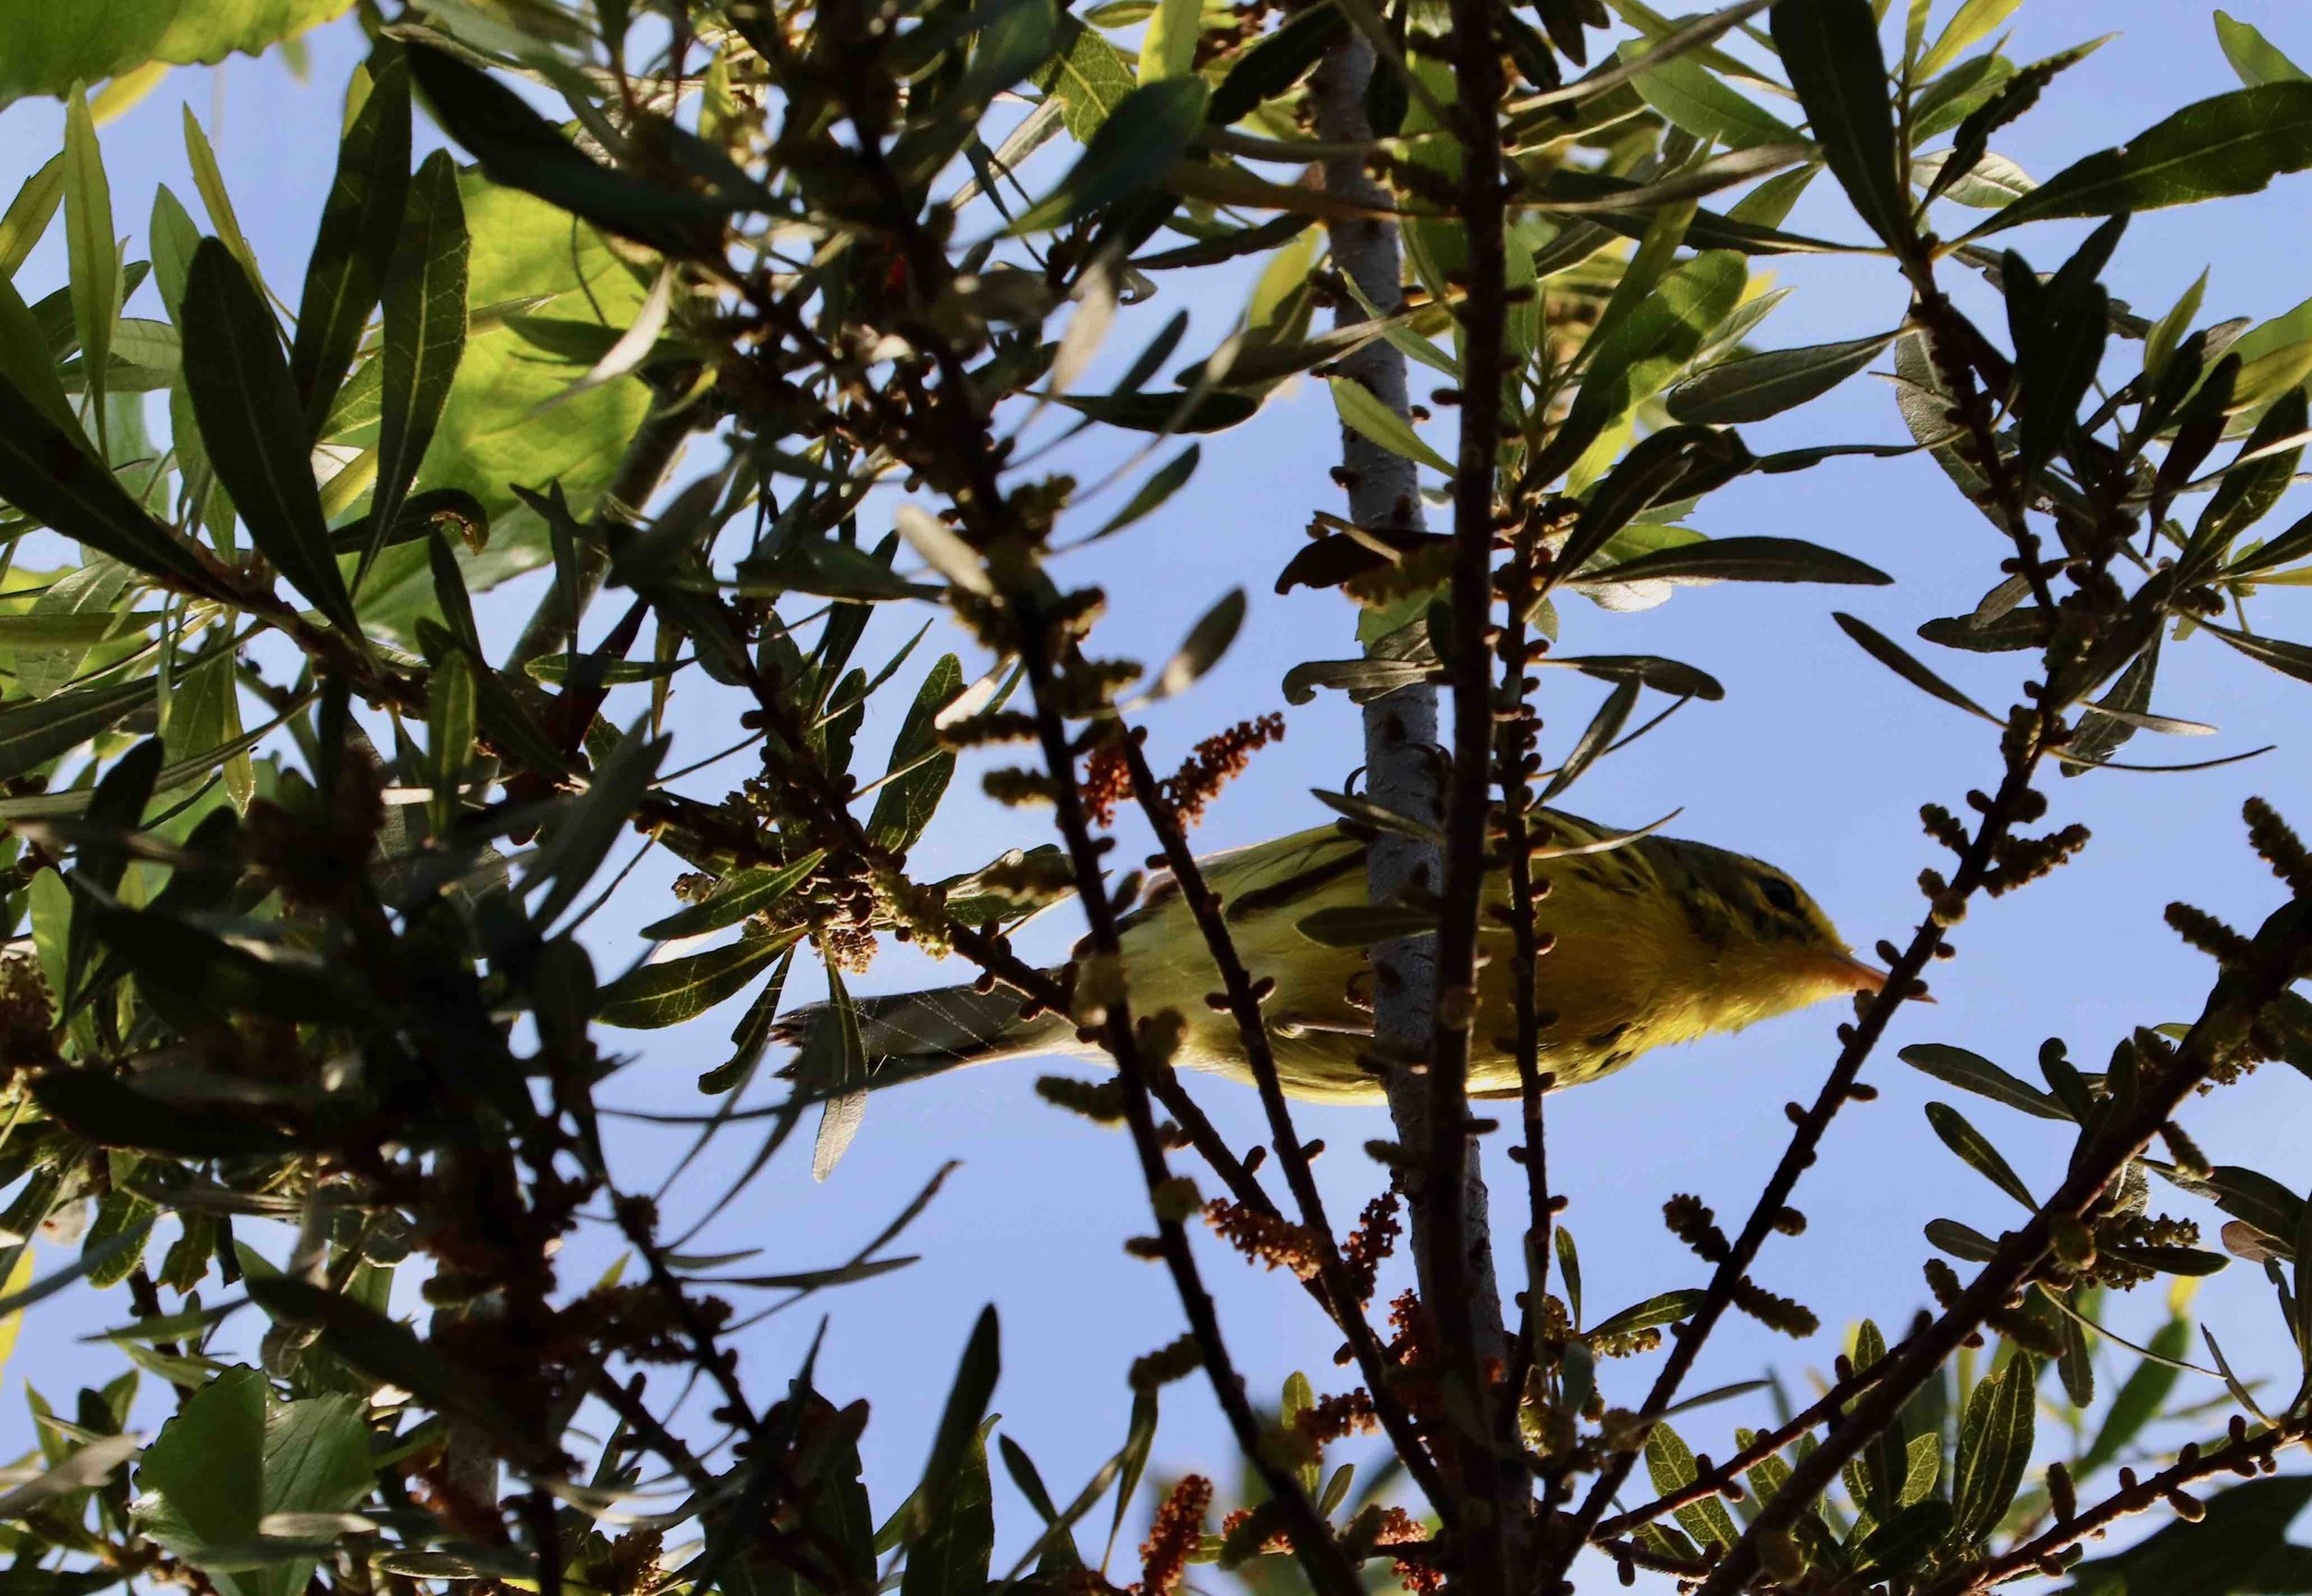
(910, 1034)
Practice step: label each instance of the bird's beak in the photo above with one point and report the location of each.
(1853, 975)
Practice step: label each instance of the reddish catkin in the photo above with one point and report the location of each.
(1338, 1418)
(1271, 1238)
(1217, 760)
(1176, 1535)
(1107, 782)
(1397, 1528)
(1373, 1240)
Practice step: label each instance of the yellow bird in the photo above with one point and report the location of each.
(1655, 941)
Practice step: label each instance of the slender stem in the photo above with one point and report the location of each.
(1321, 1555)
(1459, 1258)
(1858, 1042)
(2241, 1454)
(2220, 1033)
(1244, 1006)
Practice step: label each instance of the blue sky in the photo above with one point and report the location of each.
(1818, 760)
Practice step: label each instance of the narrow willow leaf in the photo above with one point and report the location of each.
(1668, 1308)
(1894, 658)
(1974, 1072)
(1995, 1437)
(93, 250)
(1832, 49)
(1969, 26)
(749, 892)
(2234, 143)
(1922, 1459)
(834, 1066)
(425, 293)
(2288, 658)
(450, 720)
(2253, 56)
(1151, 494)
(1752, 387)
(1168, 46)
(1134, 148)
(522, 150)
(1741, 559)
(1907, 1537)
(1961, 1241)
(28, 213)
(32, 735)
(253, 428)
(1596, 738)
(359, 222)
(1364, 415)
(585, 834)
(1157, 411)
(1976, 1151)
(1363, 925)
(673, 990)
(1672, 1464)
(919, 770)
(1202, 648)
(209, 180)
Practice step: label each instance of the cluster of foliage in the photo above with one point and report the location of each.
(297, 856)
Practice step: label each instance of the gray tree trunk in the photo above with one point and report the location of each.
(1404, 757)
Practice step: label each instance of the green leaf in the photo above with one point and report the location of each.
(1090, 78)
(1974, 1072)
(1974, 1150)
(1595, 739)
(1168, 50)
(32, 735)
(253, 427)
(425, 291)
(1362, 925)
(1894, 658)
(959, 1431)
(391, 1354)
(522, 150)
(585, 835)
(2241, 1531)
(1922, 1459)
(1692, 97)
(91, 248)
(1668, 1308)
(28, 213)
(1671, 1464)
(1969, 26)
(1995, 1437)
(2247, 492)
(949, 1554)
(1752, 387)
(1202, 648)
(1741, 559)
(1364, 415)
(233, 1457)
(450, 727)
(832, 1066)
(84, 1466)
(1831, 50)
(1274, 64)
(1630, 361)
(2234, 143)
(112, 1112)
(2288, 658)
(1183, 410)
(1961, 1241)
(919, 770)
(1129, 155)
(1906, 1539)
(748, 893)
(358, 225)
(2251, 56)
(656, 996)
(48, 49)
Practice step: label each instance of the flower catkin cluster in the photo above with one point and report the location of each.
(1174, 1537)
(1271, 1238)
(1372, 1242)
(1187, 791)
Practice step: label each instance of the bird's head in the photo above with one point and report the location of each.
(1775, 950)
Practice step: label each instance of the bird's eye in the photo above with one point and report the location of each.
(1780, 895)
